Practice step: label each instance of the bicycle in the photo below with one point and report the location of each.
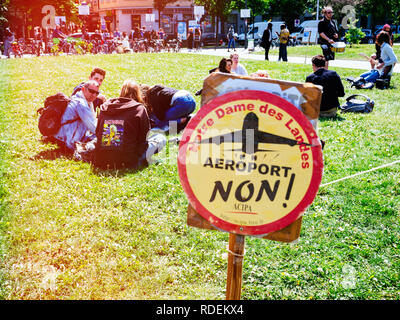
(16, 49)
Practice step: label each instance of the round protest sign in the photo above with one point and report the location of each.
(250, 162)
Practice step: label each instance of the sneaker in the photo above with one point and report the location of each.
(174, 140)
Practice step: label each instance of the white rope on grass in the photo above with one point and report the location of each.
(360, 173)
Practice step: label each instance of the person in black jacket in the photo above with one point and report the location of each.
(328, 34)
(123, 132)
(267, 39)
(331, 84)
(168, 106)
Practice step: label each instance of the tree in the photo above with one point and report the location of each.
(218, 9)
(354, 36)
(3, 12)
(289, 10)
(381, 10)
(33, 9)
(23, 15)
(258, 7)
(160, 6)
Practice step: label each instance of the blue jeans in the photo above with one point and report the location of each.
(183, 104)
(231, 43)
(7, 48)
(282, 51)
(370, 76)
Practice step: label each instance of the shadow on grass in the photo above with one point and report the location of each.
(338, 117)
(63, 152)
(52, 154)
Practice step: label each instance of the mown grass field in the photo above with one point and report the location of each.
(68, 232)
(351, 52)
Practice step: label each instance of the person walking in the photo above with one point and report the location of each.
(8, 40)
(197, 39)
(267, 39)
(231, 38)
(190, 40)
(283, 39)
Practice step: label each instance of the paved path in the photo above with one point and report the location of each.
(353, 64)
(244, 54)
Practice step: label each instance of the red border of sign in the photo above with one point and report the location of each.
(316, 151)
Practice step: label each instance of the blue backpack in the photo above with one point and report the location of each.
(356, 105)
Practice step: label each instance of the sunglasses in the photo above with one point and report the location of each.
(93, 91)
(329, 12)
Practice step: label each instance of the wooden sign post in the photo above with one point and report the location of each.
(235, 266)
(250, 163)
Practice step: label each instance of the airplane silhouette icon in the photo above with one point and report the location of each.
(251, 137)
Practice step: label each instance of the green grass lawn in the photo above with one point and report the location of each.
(350, 53)
(68, 232)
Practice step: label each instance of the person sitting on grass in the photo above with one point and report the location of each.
(79, 117)
(377, 55)
(383, 67)
(224, 66)
(331, 84)
(168, 106)
(260, 74)
(97, 75)
(237, 67)
(123, 137)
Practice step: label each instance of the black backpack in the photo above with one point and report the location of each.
(51, 114)
(356, 105)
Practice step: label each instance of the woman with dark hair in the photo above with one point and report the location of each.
(377, 55)
(383, 67)
(267, 39)
(197, 39)
(225, 65)
(231, 38)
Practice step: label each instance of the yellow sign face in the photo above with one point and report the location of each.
(250, 162)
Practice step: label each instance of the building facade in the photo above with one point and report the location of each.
(125, 15)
